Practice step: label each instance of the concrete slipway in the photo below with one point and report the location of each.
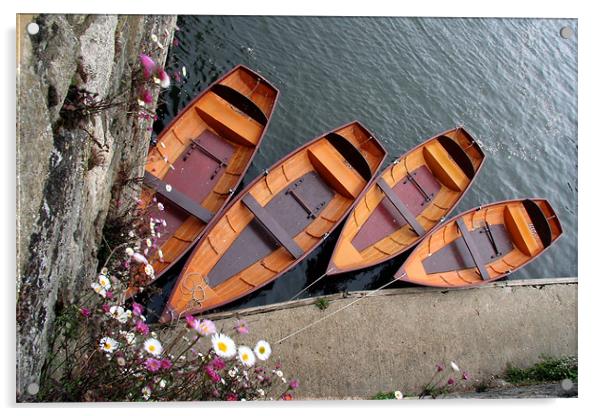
(392, 340)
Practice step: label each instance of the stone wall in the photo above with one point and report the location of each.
(70, 179)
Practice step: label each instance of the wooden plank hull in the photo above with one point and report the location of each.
(505, 237)
(427, 183)
(201, 157)
(307, 194)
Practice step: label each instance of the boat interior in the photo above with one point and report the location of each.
(277, 220)
(201, 157)
(483, 245)
(409, 198)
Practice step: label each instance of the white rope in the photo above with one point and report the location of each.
(310, 285)
(333, 313)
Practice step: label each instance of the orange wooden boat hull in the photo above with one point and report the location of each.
(407, 200)
(277, 220)
(199, 160)
(483, 245)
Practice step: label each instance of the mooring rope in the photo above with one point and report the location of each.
(333, 313)
(311, 284)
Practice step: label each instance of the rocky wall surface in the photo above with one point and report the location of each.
(72, 179)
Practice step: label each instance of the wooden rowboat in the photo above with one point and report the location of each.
(201, 157)
(407, 200)
(277, 220)
(483, 244)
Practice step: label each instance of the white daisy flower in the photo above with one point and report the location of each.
(131, 234)
(116, 311)
(123, 318)
(160, 206)
(129, 336)
(246, 356)
(104, 281)
(261, 392)
(146, 393)
(232, 372)
(108, 344)
(398, 395)
(454, 366)
(99, 289)
(153, 346)
(263, 350)
(129, 251)
(223, 345)
(162, 383)
(168, 187)
(154, 38)
(279, 373)
(148, 269)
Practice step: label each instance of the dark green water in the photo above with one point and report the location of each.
(511, 82)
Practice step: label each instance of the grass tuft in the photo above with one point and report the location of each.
(322, 303)
(384, 395)
(548, 369)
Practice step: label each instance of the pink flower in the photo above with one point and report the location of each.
(439, 367)
(451, 381)
(231, 397)
(147, 64)
(153, 365)
(139, 258)
(212, 374)
(164, 80)
(217, 363)
(137, 309)
(146, 96)
(142, 328)
(207, 327)
(294, 384)
(109, 294)
(241, 327)
(85, 312)
(166, 364)
(465, 375)
(106, 308)
(192, 322)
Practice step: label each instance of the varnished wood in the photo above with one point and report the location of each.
(237, 217)
(454, 184)
(413, 270)
(209, 112)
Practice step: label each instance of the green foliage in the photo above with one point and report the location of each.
(384, 396)
(322, 303)
(548, 369)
